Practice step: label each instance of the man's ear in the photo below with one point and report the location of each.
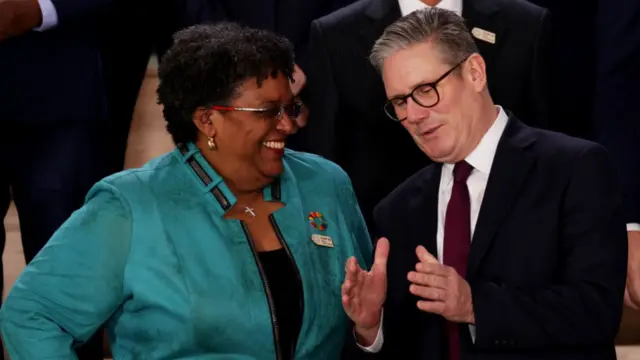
(205, 120)
(476, 72)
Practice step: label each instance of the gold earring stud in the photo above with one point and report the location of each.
(211, 143)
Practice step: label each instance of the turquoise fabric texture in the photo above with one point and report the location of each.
(151, 255)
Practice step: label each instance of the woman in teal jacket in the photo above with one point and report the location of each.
(230, 247)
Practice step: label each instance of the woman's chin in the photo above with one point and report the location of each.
(272, 168)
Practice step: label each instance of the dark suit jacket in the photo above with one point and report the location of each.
(54, 75)
(616, 114)
(347, 123)
(290, 18)
(548, 258)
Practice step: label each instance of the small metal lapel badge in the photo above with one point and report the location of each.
(322, 240)
(484, 35)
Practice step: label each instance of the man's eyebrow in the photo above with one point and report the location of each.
(396, 96)
(415, 86)
(399, 96)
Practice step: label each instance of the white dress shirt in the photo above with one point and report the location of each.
(481, 158)
(409, 6)
(49, 15)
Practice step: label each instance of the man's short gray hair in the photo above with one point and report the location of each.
(443, 28)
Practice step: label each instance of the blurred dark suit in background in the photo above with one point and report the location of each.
(52, 115)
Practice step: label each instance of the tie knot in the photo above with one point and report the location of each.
(461, 171)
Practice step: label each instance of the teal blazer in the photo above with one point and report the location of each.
(151, 255)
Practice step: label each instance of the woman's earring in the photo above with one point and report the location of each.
(211, 143)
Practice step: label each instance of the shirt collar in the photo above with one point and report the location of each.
(409, 6)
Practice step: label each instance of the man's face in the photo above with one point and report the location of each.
(444, 131)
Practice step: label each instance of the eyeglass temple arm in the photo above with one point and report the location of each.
(231, 108)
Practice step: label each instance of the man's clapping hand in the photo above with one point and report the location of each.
(444, 291)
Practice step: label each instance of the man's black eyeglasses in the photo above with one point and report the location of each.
(425, 95)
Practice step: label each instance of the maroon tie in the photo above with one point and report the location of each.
(457, 239)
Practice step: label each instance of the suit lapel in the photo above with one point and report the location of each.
(509, 170)
(425, 210)
(483, 16)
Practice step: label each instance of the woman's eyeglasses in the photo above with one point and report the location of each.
(293, 110)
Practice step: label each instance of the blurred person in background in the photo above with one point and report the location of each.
(52, 114)
(617, 115)
(595, 47)
(131, 31)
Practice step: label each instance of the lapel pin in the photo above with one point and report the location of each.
(317, 221)
(484, 35)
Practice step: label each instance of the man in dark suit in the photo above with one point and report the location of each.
(52, 110)
(617, 115)
(511, 246)
(346, 121)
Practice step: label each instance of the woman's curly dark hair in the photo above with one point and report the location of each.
(206, 65)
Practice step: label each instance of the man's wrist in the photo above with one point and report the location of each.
(471, 315)
(366, 336)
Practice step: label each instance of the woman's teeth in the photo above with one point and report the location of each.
(274, 144)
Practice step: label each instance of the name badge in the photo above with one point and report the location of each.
(322, 240)
(484, 35)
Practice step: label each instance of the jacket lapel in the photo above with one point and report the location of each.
(509, 170)
(424, 209)
(483, 20)
(291, 217)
